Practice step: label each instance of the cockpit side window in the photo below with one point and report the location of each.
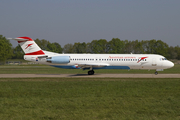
(163, 59)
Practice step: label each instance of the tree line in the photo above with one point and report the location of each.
(114, 46)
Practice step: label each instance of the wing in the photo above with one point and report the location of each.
(91, 65)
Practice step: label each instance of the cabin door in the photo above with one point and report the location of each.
(154, 62)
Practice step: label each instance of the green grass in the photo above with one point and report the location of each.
(21, 60)
(42, 69)
(87, 99)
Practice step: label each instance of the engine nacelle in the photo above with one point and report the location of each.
(59, 59)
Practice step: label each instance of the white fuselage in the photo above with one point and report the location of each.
(107, 61)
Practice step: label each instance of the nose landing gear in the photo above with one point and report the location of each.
(91, 72)
(156, 73)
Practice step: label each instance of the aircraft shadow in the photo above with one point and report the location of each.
(83, 75)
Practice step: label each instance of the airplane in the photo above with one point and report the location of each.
(92, 61)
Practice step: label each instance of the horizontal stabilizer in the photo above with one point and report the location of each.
(21, 39)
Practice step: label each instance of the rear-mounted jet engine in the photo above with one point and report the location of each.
(59, 59)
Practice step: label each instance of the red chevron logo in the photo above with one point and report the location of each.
(142, 59)
(29, 45)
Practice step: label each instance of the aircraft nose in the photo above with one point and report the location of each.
(170, 64)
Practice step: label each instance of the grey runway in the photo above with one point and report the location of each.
(90, 76)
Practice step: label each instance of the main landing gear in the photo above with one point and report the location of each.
(91, 72)
(156, 73)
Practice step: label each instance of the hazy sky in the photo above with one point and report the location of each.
(70, 21)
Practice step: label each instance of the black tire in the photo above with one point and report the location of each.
(156, 73)
(91, 72)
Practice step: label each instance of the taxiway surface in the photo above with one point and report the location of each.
(91, 76)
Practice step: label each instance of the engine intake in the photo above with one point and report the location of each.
(58, 59)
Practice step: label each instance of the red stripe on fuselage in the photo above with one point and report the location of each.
(40, 52)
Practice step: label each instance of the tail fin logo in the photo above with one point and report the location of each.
(28, 45)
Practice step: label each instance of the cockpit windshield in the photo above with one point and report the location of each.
(163, 59)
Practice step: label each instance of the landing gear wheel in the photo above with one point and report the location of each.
(91, 72)
(156, 73)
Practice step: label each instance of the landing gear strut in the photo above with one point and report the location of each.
(156, 73)
(91, 72)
